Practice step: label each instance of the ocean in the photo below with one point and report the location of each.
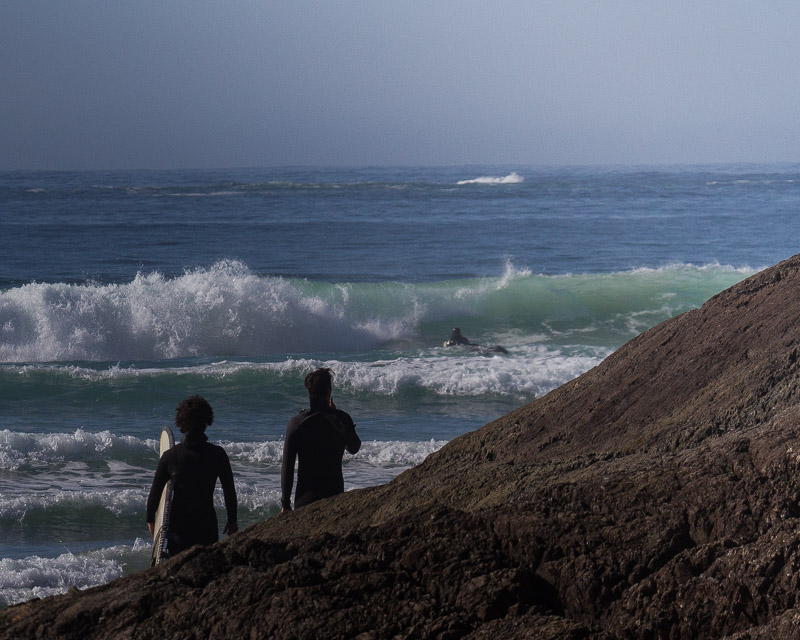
(123, 292)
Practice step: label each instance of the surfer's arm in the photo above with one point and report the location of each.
(351, 440)
(287, 469)
(229, 491)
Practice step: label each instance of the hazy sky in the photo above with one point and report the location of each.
(230, 83)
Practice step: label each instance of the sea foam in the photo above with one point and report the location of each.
(527, 370)
(19, 449)
(225, 309)
(37, 577)
(228, 311)
(64, 452)
(116, 501)
(377, 453)
(511, 178)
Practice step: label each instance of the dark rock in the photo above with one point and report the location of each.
(655, 496)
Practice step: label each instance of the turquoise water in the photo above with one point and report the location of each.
(124, 292)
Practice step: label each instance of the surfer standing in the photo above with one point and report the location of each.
(194, 464)
(317, 437)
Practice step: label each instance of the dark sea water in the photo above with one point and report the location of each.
(121, 293)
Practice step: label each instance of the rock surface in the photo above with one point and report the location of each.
(655, 496)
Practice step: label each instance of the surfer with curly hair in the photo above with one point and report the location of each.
(194, 465)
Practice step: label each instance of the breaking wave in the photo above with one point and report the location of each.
(228, 311)
(511, 178)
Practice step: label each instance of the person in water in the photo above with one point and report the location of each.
(194, 464)
(456, 338)
(317, 438)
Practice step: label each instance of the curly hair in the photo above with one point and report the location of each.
(193, 414)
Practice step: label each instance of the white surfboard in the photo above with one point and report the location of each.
(162, 514)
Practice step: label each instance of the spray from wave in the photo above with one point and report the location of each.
(223, 310)
(511, 178)
(226, 311)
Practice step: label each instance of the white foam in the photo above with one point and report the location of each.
(36, 577)
(397, 453)
(33, 449)
(676, 268)
(227, 311)
(530, 369)
(376, 453)
(76, 486)
(270, 452)
(530, 372)
(221, 310)
(511, 178)
(116, 501)
(251, 497)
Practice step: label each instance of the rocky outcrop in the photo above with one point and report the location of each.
(655, 496)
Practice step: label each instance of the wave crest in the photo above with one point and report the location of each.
(223, 310)
(37, 577)
(511, 178)
(226, 311)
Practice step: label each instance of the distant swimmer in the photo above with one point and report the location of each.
(458, 339)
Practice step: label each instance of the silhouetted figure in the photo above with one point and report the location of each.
(456, 338)
(194, 464)
(317, 437)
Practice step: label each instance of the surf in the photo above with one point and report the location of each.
(227, 310)
(71, 453)
(511, 178)
(37, 577)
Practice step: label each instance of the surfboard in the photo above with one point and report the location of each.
(167, 441)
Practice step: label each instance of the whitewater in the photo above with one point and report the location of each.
(125, 292)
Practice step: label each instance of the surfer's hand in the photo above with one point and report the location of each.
(151, 526)
(330, 403)
(231, 528)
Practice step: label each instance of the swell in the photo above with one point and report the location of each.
(229, 311)
(85, 460)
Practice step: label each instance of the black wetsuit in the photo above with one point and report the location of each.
(194, 466)
(317, 437)
(456, 338)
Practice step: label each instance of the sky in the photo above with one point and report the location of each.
(156, 84)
